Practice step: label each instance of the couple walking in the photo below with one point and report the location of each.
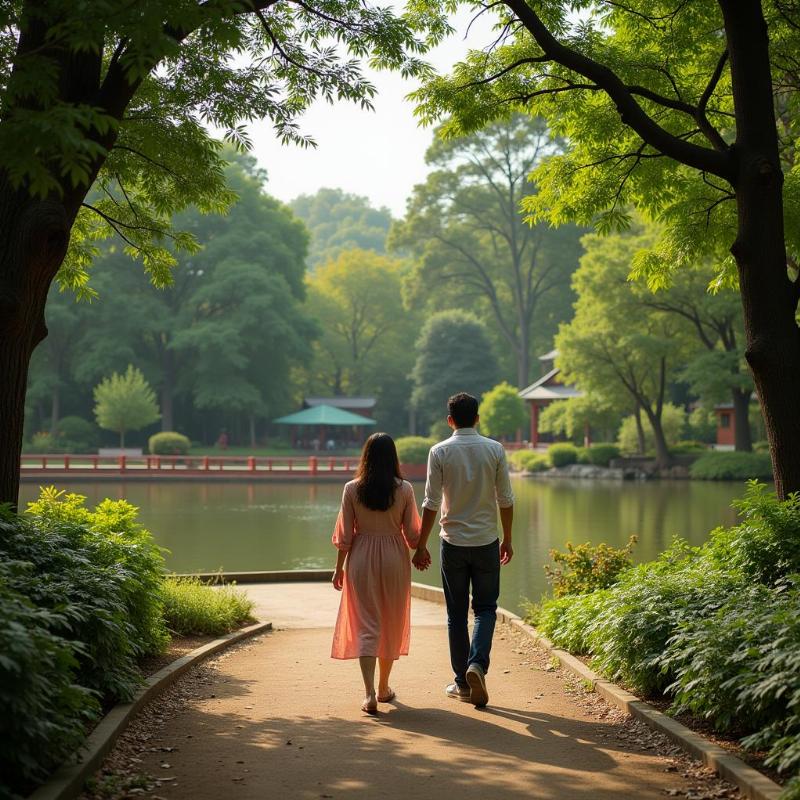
(378, 522)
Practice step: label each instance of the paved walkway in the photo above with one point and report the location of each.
(279, 719)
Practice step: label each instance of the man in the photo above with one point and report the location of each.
(468, 478)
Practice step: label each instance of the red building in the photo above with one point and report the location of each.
(544, 391)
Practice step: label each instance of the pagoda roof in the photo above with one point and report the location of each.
(324, 415)
(548, 388)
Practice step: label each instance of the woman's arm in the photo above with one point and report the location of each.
(338, 573)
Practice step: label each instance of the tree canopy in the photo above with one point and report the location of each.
(125, 402)
(465, 226)
(339, 221)
(686, 111)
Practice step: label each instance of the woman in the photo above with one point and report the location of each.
(377, 524)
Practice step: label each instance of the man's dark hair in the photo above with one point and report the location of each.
(463, 408)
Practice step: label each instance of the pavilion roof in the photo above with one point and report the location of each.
(548, 388)
(324, 415)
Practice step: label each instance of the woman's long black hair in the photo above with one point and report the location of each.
(378, 472)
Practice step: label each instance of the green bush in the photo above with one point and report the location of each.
(168, 443)
(561, 455)
(717, 465)
(77, 435)
(586, 567)
(43, 442)
(192, 607)
(529, 461)
(414, 449)
(44, 711)
(761, 446)
(716, 627)
(600, 454)
(685, 446)
(115, 542)
(583, 455)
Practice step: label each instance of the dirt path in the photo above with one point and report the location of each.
(277, 718)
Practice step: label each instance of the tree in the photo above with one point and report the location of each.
(465, 226)
(718, 371)
(125, 403)
(120, 99)
(338, 221)
(358, 302)
(502, 411)
(573, 416)
(453, 355)
(686, 110)
(615, 343)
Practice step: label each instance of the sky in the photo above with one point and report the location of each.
(379, 154)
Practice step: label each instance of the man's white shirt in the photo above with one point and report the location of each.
(468, 479)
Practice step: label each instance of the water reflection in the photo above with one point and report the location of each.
(258, 526)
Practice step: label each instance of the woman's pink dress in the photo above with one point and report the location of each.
(375, 610)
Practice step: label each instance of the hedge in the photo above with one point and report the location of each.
(168, 443)
(414, 449)
(717, 465)
(561, 455)
(529, 461)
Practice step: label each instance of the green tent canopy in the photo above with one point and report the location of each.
(324, 415)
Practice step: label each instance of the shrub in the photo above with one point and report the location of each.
(719, 465)
(120, 545)
(561, 455)
(44, 711)
(414, 449)
(761, 446)
(583, 455)
(192, 607)
(77, 435)
(168, 443)
(529, 461)
(43, 442)
(717, 627)
(586, 567)
(685, 446)
(601, 454)
(440, 430)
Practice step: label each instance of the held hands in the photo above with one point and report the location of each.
(338, 579)
(506, 552)
(421, 559)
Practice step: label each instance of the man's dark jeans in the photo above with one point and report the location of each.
(462, 566)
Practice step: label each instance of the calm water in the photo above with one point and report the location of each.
(267, 526)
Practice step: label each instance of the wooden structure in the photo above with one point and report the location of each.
(544, 391)
(319, 420)
(365, 406)
(726, 426)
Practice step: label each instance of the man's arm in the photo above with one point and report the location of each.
(506, 520)
(505, 501)
(430, 508)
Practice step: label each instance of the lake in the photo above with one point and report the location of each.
(276, 526)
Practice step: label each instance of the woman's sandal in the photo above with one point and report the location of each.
(387, 698)
(368, 708)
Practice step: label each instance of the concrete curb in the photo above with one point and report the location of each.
(750, 781)
(273, 576)
(69, 780)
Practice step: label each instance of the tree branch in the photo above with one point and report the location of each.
(631, 113)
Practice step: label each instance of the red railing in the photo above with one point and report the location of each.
(187, 465)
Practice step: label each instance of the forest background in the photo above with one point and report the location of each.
(329, 296)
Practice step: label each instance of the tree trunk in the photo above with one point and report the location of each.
(523, 361)
(741, 420)
(663, 458)
(769, 298)
(33, 240)
(122, 439)
(640, 440)
(167, 389)
(55, 407)
(252, 431)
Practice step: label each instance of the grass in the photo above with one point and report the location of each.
(191, 607)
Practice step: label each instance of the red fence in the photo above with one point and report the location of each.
(197, 466)
(159, 465)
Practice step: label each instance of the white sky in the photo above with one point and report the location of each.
(379, 154)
